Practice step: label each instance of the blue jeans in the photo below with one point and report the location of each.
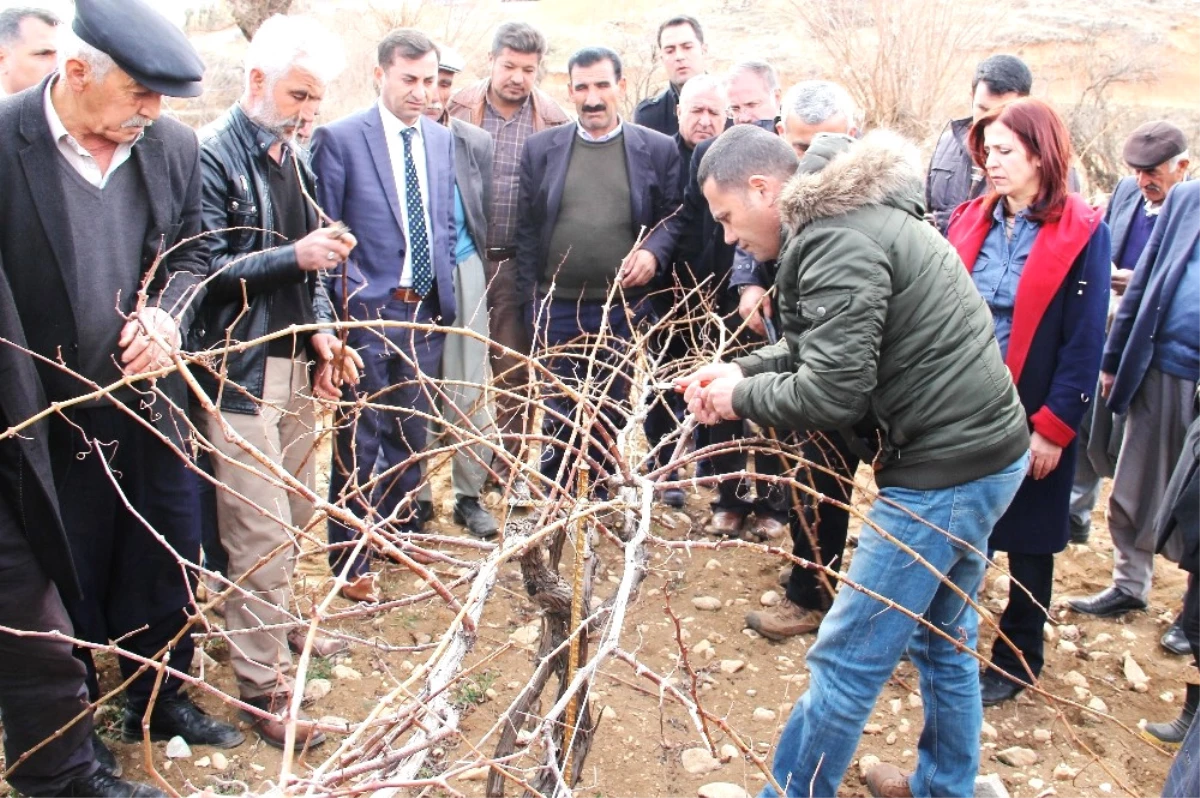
(861, 640)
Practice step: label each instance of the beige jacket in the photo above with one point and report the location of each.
(467, 104)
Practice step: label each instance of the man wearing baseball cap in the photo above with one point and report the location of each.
(100, 206)
(1152, 358)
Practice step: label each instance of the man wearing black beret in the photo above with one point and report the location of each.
(101, 202)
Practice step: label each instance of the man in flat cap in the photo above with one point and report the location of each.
(1152, 358)
(100, 206)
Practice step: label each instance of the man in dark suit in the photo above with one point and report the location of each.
(388, 173)
(587, 192)
(682, 50)
(96, 187)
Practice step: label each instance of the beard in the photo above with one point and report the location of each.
(267, 116)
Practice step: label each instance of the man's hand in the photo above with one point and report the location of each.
(1106, 384)
(753, 303)
(1120, 280)
(713, 403)
(149, 340)
(690, 384)
(637, 269)
(323, 249)
(1044, 456)
(337, 364)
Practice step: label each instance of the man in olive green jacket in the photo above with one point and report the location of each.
(885, 339)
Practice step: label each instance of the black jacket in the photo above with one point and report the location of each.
(38, 253)
(659, 112)
(246, 252)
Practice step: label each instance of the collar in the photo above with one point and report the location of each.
(393, 127)
(59, 131)
(260, 136)
(999, 216)
(1151, 209)
(612, 134)
(487, 103)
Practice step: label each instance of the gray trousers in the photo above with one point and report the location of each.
(1155, 428)
(465, 374)
(1086, 488)
(41, 683)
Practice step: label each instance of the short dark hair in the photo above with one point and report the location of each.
(682, 19)
(1003, 74)
(11, 19)
(520, 37)
(408, 43)
(746, 150)
(594, 55)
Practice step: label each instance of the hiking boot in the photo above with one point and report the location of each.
(273, 731)
(888, 781)
(784, 620)
(1170, 735)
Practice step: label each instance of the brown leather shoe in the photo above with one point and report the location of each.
(362, 589)
(725, 524)
(273, 731)
(322, 646)
(784, 620)
(768, 528)
(888, 781)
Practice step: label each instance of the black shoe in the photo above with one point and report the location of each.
(106, 758)
(470, 513)
(1175, 641)
(1080, 532)
(104, 785)
(1108, 602)
(673, 497)
(177, 716)
(424, 513)
(995, 689)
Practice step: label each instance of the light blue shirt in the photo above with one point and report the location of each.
(609, 136)
(998, 269)
(1177, 343)
(464, 247)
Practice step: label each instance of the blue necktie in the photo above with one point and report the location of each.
(418, 235)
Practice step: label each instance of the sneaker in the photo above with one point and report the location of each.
(784, 620)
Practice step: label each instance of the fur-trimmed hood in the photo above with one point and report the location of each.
(881, 168)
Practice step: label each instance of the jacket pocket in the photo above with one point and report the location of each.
(820, 308)
(242, 221)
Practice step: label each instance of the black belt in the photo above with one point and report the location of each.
(500, 253)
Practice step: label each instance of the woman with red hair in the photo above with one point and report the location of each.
(1040, 257)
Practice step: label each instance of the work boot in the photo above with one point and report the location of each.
(106, 758)
(888, 781)
(479, 522)
(726, 524)
(1171, 734)
(323, 647)
(784, 620)
(103, 784)
(178, 716)
(273, 731)
(768, 528)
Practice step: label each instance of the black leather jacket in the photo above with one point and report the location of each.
(237, 210)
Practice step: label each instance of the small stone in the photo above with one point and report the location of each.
(1067, 647)
(1019, 734)
(1036, 783)
(990, 786)
(732, 666)
(764, 714)
(710, 603)
(1082, 693)
(988, 731)
(751, 692)
(729, 752)
(346, 673)
(1075, 679)
(894, 705)
(1134, 674)
(608, 713)
(770, 599)
(177, 748)
(524, 737)
(491, 694)
(1042, 735)
(526, 635)
(1068, 632)
(750, 633)
(219, 761)
(1105, 787)
(873, 728)
(1001, 586)
(891, 738)
(1049, 633)
(699, 761)
(1097, 705)
(713, 565)
(316, 689)
(423, 639)
(474, 774)
(335, 722)
(915, 701)
(1168, 697)
(1018, 757)
(866, 763)
(203, 762)
(257, 768)
(1140, 687)
(1127, 634)
(1102, 638)
(722, 789)
(1064, 772)
(407, 666)
(702, 647)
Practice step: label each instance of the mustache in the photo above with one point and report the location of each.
(588, 109)
(137, 120)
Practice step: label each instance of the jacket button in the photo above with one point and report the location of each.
(820, 312)
(234, 205)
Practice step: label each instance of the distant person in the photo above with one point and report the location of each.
(1039, 256)
(682, 50)
(508, 105)
(28, 47)
(1132, 211)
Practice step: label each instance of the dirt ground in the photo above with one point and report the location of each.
(638, 746)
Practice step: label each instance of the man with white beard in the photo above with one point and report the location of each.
(268, 253)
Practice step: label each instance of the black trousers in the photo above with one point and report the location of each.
(41, 684)
(1023, 620)
(131, 578)
(819, 523)
(1190, 616)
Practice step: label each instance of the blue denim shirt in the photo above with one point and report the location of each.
(464, 247)
(1177, 344)
(999, 267)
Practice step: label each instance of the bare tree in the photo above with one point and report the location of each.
(250, 14)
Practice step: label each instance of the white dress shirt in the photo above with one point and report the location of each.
(609, 136)
(80, 159)
(392, 127)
